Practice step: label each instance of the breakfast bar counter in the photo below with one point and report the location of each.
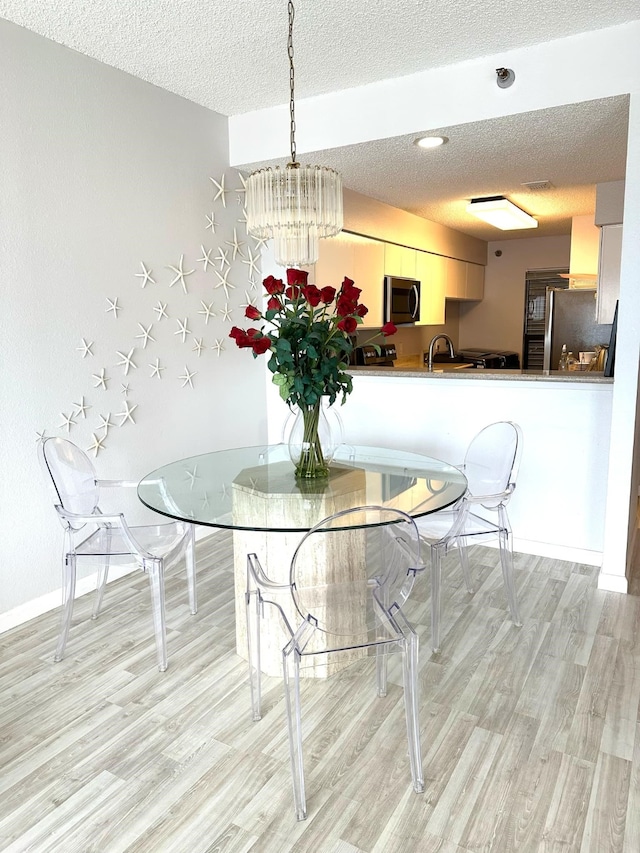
(558, 509)
(439, 372)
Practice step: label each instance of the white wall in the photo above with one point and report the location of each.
(498, 320)
(100, 172)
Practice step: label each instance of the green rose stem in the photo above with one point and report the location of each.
(311, 464)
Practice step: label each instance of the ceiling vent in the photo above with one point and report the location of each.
(537, 186)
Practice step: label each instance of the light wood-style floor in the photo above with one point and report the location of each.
(530, 736)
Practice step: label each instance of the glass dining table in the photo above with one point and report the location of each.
(253, 492)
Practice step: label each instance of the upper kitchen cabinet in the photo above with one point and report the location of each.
(399, 261)
(431, 273)
(474, 288)
(361, 260)
(464, 280)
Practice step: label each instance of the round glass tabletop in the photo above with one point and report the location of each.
(254, 488)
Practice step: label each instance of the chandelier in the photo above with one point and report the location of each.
(297, 205)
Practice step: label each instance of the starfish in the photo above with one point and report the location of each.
(161, 308)
(206, 257)
(218, 346)
(260, 242)
(243, 219)
(67, 421)
(124, 388)
(221, 192)
(226, 313)
(146, 335)
(145, 275)
(180, 274)
(113, 306)
(101, 379)
(211, 223)
(198, 346)
(81, 407)
(105, 422)
(127, 362)
(41, 435)
(242, 191)
(187, 376)
(192, 475)
(252, 263)
(156, 369)
(222, 257)
(97, 444)
(127, 414)
(85, 348)
(248, 302)
(205, 501)
(223, 281)
(208, 311)
(235, 245)
(182, 328)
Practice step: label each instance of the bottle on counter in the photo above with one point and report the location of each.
(562, 364)
(572, 361)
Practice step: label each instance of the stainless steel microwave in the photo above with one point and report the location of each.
(401, 300)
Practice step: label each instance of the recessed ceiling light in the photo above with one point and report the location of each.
(430, 141)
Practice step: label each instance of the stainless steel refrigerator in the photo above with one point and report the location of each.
(570, 318)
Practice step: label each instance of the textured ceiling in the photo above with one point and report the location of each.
(231, 57)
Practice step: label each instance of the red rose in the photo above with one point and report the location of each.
(241, 338)
(312, 295)
(273, 304)
(344, 306)
(361, 310)
(292, 292)
(251, 333)
(273, 285)
(350, 292)
(348, 325)
(327, 294)
(297, 277)
(252, 312)
(347, 282)
(261, 345)
(388, 329)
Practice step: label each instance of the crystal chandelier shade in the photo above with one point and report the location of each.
(297, 205)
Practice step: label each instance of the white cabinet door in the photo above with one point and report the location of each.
(399, 260)
(475, 281)
(456, 280)
(360, 259)
(431, 271)
(369, 277)
(608, 272)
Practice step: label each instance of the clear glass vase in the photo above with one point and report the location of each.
(312, 442)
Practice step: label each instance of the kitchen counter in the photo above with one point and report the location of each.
(462, 372)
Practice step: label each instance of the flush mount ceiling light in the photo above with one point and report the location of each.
(297, 205)
(501, 213)
(430, 141)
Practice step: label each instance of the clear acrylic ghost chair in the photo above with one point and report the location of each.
(90, 533)
(491, 467)
(349, 578)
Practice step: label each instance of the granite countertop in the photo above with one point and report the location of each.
(417, 372)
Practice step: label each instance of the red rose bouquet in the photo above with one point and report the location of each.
(307, 331)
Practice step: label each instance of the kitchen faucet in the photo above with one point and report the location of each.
(432, 345)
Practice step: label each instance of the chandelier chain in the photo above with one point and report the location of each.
(292, 106)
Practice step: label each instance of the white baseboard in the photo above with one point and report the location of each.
(51, 600)
(557, 552)
(612, 583)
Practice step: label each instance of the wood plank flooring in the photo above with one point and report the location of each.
(531, 737)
